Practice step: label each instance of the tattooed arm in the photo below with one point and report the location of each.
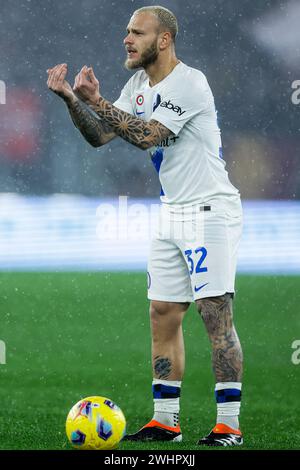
(138, 132)
(95, 131)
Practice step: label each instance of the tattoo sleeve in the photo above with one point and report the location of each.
(138, 132)
(95, 131)
(227, 357)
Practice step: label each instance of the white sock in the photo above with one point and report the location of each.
(166, 394)
(228, 397)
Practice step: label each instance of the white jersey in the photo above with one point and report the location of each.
(189, 163)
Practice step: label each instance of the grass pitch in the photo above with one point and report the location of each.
(71, 335)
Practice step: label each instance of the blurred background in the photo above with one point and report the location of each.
(249, 51)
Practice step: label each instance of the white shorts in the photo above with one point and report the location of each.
(193, 255)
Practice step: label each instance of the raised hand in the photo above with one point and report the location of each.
(58, 84)
(86, 85)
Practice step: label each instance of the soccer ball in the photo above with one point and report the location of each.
(95, 423)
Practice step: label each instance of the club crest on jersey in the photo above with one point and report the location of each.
(139, 111)
(157, 102)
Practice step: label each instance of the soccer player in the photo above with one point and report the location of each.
(167, 108)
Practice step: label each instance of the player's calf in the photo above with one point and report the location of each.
(227, 359)
(168, 365)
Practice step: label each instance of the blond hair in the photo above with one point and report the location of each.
(167, 20)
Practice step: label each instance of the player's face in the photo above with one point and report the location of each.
(141, 41)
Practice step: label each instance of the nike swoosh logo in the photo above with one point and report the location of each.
(200, 287)
(142, 112)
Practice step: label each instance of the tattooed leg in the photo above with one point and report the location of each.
(167, 339)
(162, 367)
(227, 355)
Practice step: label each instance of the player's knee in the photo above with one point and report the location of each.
(215, 310)
(206, 310)
(162, 313)
(159, 308)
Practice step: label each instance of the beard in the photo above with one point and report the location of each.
(148, 57)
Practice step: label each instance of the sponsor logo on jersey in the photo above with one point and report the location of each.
(168, 141)
(169, 105)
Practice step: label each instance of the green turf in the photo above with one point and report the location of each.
(71, 335)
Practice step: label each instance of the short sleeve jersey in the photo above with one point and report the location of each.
(189, 162)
